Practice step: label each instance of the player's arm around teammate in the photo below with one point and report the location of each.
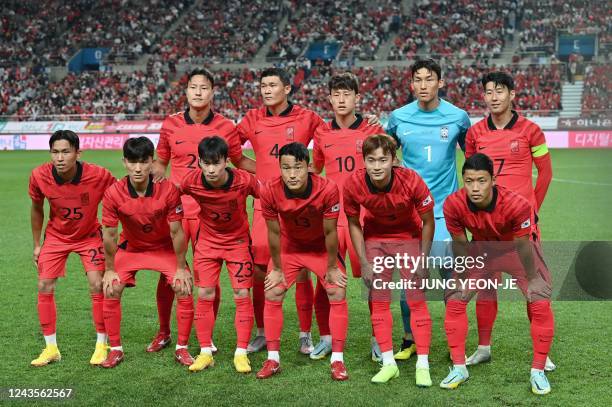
(74, 190)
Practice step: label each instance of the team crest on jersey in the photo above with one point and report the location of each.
(444, 133)
(514, 146)
(427, 200)
(85, 198)
(233, 204)
(290, 133)
(359, 146)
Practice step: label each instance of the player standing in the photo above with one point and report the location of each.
(495, 214)
(221, 193)
(152, 238)
(73, 189)
(337, 148)
(428, 131)
(398, 218)
(178, 144)
(515, 144)
(301, 210)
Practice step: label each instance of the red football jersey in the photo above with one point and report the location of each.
(392, 213)
(178, 143)
(339, 152)
(301, 216)
(144, 219)
(510, 149)
(223, 215)
(508, 216)
(268, 133)
(73, 205)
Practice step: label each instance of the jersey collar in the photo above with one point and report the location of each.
(305, 195)
(489, 208)
(508, 126)
(77, 177)
(283, 113)
(134, 194)
(206, 121)
(227, 185)
(372, 188)
(354, 126)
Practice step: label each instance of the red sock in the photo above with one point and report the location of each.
(542, 331)
(243, 321)
(165, 298)
(47, 314)
(304, 293)
(321, 307)
(184, 319)
(456, 327)
(97, 308)
(338, 321)
(420, 322)
(204, 322)
(382, 323)
(112, 320)
(217, 300)
(486, 312)
(259, 300)
(273, 324)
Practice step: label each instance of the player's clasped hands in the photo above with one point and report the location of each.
(336, 277)
(182, 280)
(274, 278)
(108, 282)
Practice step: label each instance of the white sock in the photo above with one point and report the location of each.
(326, 339)
(536, 370)
(387, 358)
(336, 357)
(181, 347)
(206, 350)
(304, 335)
(372, 339)
(119, 348)
(260, 332)
(274, 355)
(51, 339)
(484, 349)
(462, 369)
(101, 337)
(422, 362)
(240, 351)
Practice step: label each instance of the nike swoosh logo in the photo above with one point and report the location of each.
(539, 388)
(406, 133)
(451, 379)
(54, 198)
(328, 145)
(260, 131)
(180, 141)
(481, 148)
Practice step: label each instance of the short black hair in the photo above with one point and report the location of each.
(274, 71)
(498, 78)
(344, 81)
(68, 135)
(204, 72)
(478, 162)
(212, 149)
(429, 64)
(295, 149)
(138, 149)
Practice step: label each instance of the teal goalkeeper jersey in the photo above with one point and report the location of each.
(428, 140)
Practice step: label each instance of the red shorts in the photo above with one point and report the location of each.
(128, 263)
(383, 276)
(207, 264)
(259, 236)
(345, 244)
(191, 228)
(54, 253)
(293, 263)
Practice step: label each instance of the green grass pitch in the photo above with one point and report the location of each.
(577, 208)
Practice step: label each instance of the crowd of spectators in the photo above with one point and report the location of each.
(361, 26)
(596, 100)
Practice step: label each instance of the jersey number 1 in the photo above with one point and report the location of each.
(428, 148)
